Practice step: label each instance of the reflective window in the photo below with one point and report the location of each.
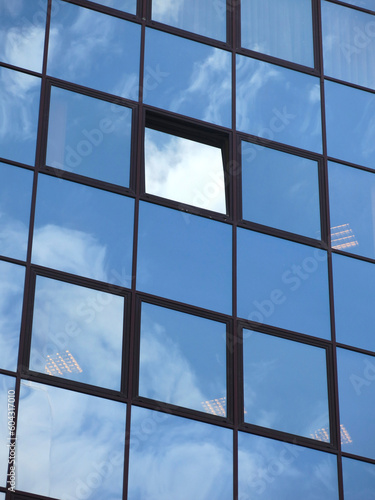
(89, 136)
(280, 28)
(204, 17)
(19, 108)
(348, 43)
(280, 190)
(72, 236)
(183, 359)
(350, 117)
(124, 5)
(94, 50)
(173, 457)
(282, 471)
(80, 443)
(356, 377)
(77, 333)
(359, 479)
(283, 284)
(184, 257)
(15, 201)
(6, 384)
(352, 198)
(12, 278)
(278, 104)
(184, 170)
(197, 84)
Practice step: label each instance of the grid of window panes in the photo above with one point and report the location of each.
(187, 249)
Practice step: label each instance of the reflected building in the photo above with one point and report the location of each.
(187, 249)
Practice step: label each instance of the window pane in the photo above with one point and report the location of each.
(12, 278)
(184, 170)
(282, 471)
(15, 201)
(352, 198)
(184, 257)
(183, 359)
(89, 136)
(359, 479)
(173, 457)
(278, 104)
(6, 384)
(80, 443)
(94, 50)
(280, 190)
(197, 84)
(283, 284)
(356, 375)
(124, 5)
(77, 333)
(204, 17)
(19, 108)
(280, 28)
(70, 236)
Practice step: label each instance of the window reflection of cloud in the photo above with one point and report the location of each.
(166, 11)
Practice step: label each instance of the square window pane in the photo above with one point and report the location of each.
(77, 333)
(359, 479)
(89, 137)
(6, 384)
(183, 359)
(124, 5)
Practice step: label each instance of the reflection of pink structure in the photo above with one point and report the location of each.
(343, 237)
(215, 406)
(62, 363)
(322, 435)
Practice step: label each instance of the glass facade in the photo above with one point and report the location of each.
(187, 242)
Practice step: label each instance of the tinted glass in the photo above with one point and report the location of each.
(19, 108)
(280, 190)
(94, 50)
(204, 17)
(89, 136)
(15, 200)
(173, 457)
(187, 77)
(71, 236)
(183, 359)
(352, 197)
(124, 5)
(356, 374)
(77, 333)
(80, 443)
(282, 471)
(280, 28)
(278, 104)
(184, 170)
(184, 257)
(283, 284)
(6, 384)
(359, 480)
(12, 279)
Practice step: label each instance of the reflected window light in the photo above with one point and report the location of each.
(342, 237)
(59, 364)
(323, 435)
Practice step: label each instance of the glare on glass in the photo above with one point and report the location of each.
(79, 438)
(280, 190)
(124, 5)
(283, 284)
(183, 359)
(173, 457)
(184, 170)
(197, 85)
(6, 384)
(184, 257)
(278, 103)
(279, 28)
(359, 479)
(77, 333)
(83, 230)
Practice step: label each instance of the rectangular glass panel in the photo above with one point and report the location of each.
(359, 479)
(124, 5)
(6, 384)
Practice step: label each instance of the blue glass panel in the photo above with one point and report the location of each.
(173, 457)
(15, 201)
(173, 369)
(278, 104)
(359, 480)
(12, 278)
(356, 378)
(281, 471)
(94, 50)
(280, 190)
(187, 77)
(19, 108)
(283, 284)
(83, 230)
(366, 4)
(184, 257)
(280, 28)
(285, 385)
(80, 443)
(6, 384)
(124, 5)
